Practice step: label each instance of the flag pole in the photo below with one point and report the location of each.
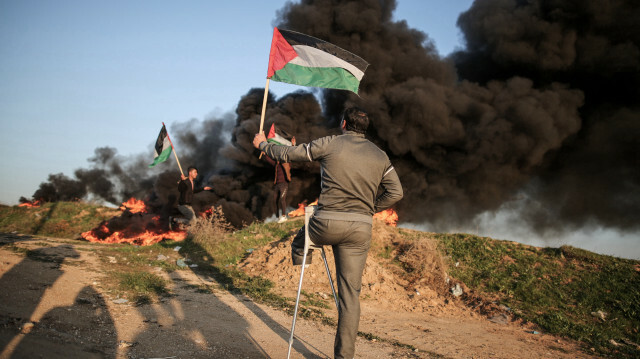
(174, 151)
(264, 105)
(264, 108)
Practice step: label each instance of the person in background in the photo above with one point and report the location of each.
(280, 184)
(187, 188)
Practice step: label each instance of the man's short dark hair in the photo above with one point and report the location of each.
(191, 168)
(355, 119)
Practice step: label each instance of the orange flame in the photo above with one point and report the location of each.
(134, 226)
(146, 238)
(35, 203)
(134, 206)
(300, 211)
(389, 216)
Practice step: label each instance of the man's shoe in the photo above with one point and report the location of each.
(282, 219)
(298, 253)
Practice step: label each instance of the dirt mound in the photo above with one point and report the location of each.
(402, 272)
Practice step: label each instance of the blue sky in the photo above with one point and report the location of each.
(76, 75)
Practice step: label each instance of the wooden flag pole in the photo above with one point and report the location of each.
(264, 105)
(174, 151)
(264, 108)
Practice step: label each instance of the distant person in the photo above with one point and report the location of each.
(280, 184)
(352, 170)
(187, 188)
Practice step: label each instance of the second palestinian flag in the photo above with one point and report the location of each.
(304, 60)
(276, 138)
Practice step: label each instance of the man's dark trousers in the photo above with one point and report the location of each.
(350, 241)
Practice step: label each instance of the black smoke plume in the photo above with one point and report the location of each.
(540, 109)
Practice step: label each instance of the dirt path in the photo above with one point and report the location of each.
(53, 305)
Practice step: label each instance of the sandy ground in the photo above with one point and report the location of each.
(53, 305)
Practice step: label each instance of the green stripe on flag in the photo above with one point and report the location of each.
(327, 77)
(162, 157)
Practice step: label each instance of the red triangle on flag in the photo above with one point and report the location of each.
(281, 53)
(272, 131)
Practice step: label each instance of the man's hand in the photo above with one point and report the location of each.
(183, 177)
(207, 188)
(258, 139)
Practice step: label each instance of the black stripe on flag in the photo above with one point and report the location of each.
(296, 38)
(160, 140)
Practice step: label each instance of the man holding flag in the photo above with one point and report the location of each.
(187, 188)
(352, 170)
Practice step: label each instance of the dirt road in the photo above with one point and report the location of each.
(53, 305)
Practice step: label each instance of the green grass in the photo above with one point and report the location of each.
(58, 219)
(235, 246)
(556, 288)
(141, 286)
(312, 300)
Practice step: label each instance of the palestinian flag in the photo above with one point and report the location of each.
(162, 148)
(303, 60)
(276, 138)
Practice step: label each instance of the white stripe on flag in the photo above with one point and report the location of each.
(312, 57)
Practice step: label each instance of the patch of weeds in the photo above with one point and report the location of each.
(313, 314)
(140, 284)
(130, 257)
(124, 248)
(166, 265)
(313, 301)
(556, 288)
(368, 336)
(233, 248)
(386, 252)
(374, 338)
(18, 250)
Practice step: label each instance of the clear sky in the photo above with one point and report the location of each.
(76, 75)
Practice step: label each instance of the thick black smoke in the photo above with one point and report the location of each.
(541, 105)
(543, 101)
(593, 46)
